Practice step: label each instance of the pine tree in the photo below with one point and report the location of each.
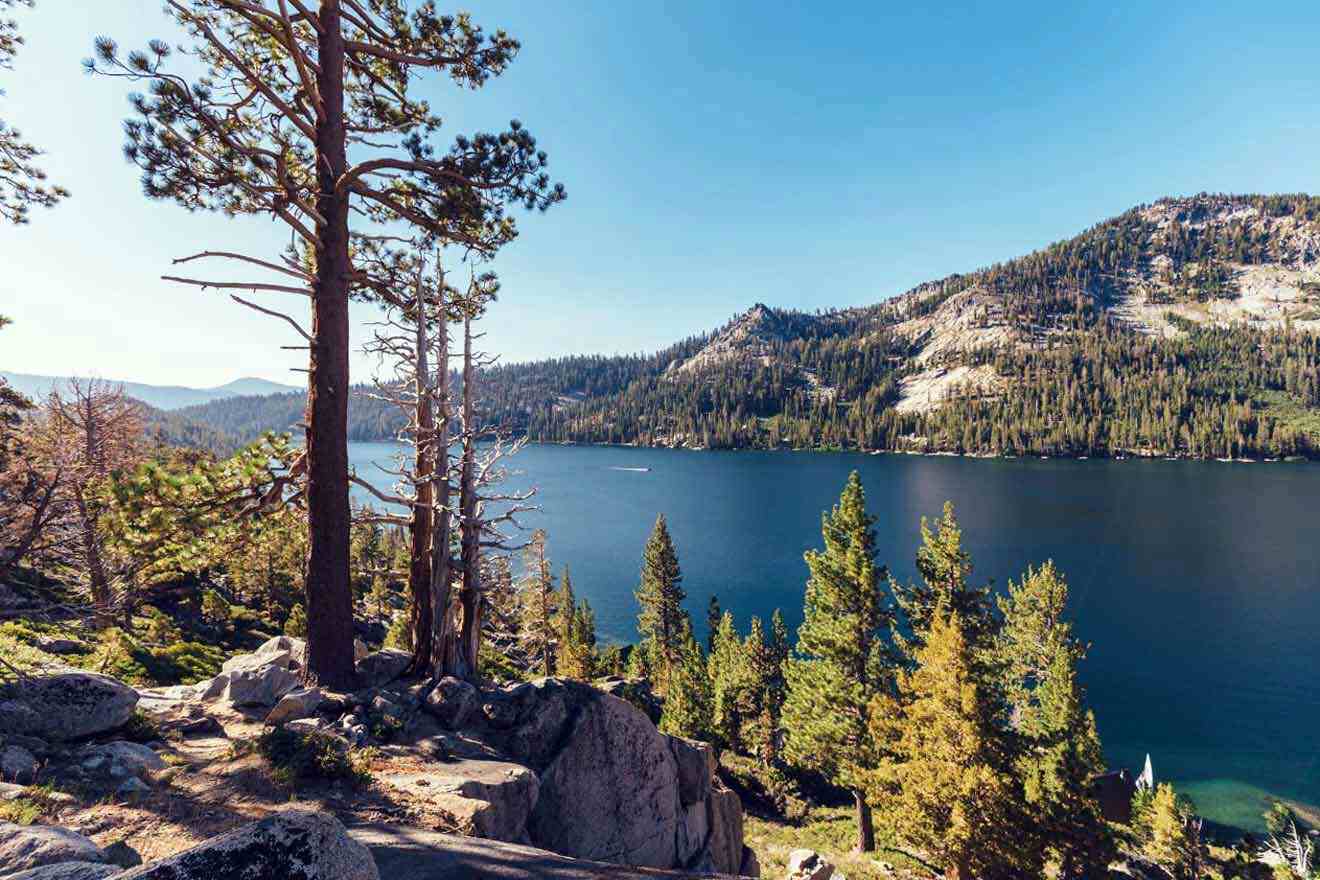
(945, 783)
(713, 615)
(576, 653)
(537, 604)
(265, 125)
(662, 620)
(1172, 838)
(1058, 747)
(731, 684)
(687, 710)
(840, 665)
(944, 567)
(22, 183)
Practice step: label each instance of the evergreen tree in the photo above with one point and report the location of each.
(1058, 746)
(1172, 834)
(576, 656)
(731, 684)
(840, 665)
(945, 783)
(713, 616)
(265, 125)
(944, 567)
(538, 611)
(662, 621)
(296, 623)
(687, 710)
(22, 183)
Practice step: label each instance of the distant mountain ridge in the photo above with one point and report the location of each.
(1189, 327)
(165, 397)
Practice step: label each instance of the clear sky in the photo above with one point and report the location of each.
(806, 155)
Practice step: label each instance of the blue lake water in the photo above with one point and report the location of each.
(1197, 583)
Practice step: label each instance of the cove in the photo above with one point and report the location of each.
(1196, 583)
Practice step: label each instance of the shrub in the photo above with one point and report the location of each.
(311, 756)
(296, 623)
(400, 634)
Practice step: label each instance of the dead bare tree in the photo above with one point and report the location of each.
(290, 86)
(448, 497)
(83, 435)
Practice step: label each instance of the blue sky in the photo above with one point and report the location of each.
(715, 154)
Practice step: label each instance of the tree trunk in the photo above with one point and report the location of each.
(469, 523)
(329, 592)
(419, 575)
(441, 636)
(865, 828)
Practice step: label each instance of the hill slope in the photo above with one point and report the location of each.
(1187, 327)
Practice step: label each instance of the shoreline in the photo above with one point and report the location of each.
(1129, 456)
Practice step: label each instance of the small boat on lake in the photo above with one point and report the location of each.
(635, 470)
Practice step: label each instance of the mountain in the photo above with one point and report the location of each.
(166, 397)
(1189, 327)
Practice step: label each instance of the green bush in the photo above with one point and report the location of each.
(312, 756)
(400, 634)
(119, 655)
(296, 624)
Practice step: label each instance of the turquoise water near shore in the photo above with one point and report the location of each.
(1197, 583)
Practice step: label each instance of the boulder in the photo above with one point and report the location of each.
(635, 691)
(382, 667)
(545, 708)
(9, 791)
(68, 705)
(692, 833)
(611, 792)
(725, 843)
(32, 846)
(17, 764)
(120, 760)
(301, 702)
(696, 768)
(212, 688)
(52, 645)
(451, 702)
(291, 845)
(67, 871)
(489, 799)
(261, 686)
(806, 864)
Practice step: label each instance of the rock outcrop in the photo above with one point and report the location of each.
(612, 788)
(66, 871)
(34, 846)
(69, 705)
(292, 845)
(806, 864)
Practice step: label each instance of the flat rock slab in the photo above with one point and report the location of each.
(404, 853)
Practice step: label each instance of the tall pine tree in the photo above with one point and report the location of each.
(945, 780)
(944, 567)
(662, 620)
(841, 664)
(1058, 745)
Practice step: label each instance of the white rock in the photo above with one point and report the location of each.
(262, 686)
(301, 702)
(806, 864)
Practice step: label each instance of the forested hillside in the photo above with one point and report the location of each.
(1186, 328)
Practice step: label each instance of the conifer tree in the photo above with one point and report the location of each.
(22, 183)
(840, 664)
(687, 710)
(1058, 746)
(576, 654)
(1172, 838)
(286, 92)
(662, 621)
(713, 615)
(944, 567)
(537, 603)
(731, 684)
(945, 781)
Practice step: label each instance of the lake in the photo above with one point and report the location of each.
(1197, 583)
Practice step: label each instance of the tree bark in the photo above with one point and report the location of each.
(865, 827)
(441, 636)
(469, 525)
(329, 592)
(419, 575)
